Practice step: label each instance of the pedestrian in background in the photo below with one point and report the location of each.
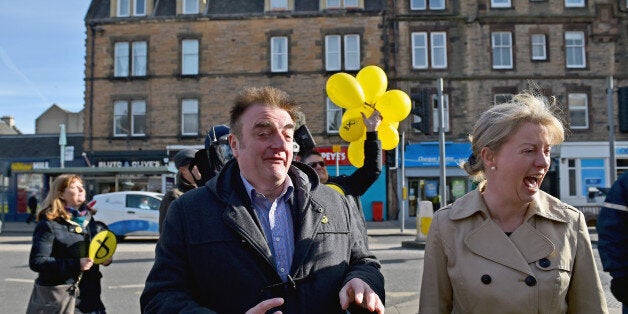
(60, 247)
(263, 234)
(355, 185)
(32, 208)
(612, 229)
(184, 180)
(508, 247)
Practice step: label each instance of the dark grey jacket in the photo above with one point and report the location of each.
(213, 255)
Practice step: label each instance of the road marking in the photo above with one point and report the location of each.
(401, 294)
(19, 280)
(127, 286)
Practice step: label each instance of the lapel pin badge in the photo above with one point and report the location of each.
(78, 229)
(325, 219)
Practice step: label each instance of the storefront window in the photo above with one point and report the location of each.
(28, 184)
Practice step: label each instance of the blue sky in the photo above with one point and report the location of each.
(42, 58)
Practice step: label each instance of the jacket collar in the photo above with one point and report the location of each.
(543, 205)
(524, 246)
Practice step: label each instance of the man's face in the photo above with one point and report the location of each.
(318, 164)
(264, 147)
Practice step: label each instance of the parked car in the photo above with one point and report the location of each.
(129, 213)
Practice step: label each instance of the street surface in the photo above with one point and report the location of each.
(123, 280)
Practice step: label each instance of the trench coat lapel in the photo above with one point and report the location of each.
(489, 241)
(532, 244)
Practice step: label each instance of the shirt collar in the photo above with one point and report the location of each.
(288, 187)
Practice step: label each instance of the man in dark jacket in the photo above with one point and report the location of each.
(263, 234)
(612, 229)
(356, 184)
(185, 181)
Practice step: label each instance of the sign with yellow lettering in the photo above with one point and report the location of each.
(103, 246)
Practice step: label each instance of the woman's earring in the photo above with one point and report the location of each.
(492, 167)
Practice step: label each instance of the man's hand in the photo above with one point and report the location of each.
(357, 291)
(266, 305)
(373, 121)
(86, 263)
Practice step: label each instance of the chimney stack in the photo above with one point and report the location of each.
(8, 120)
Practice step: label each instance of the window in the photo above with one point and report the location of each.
(578, 110)
(189, 57)
(500, 3)
(334, 117)
(539, 50)
(502, 50)
(437, 51)
(422, 4)
(502, 98)
(334, 52)
(278, 5)
(139, 8)
(124, 8)
(189, 117)
(279, 54)
(435, 113)
(574, 50)
(574, 3)
(122, 61)
(190, 7)
(129, 122)
(338, 4)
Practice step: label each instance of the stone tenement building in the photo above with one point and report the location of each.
(159, 73)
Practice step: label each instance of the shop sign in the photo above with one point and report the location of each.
(126, 163)
(427, 154)
(621, 150)
(27, 166)
(330, 156)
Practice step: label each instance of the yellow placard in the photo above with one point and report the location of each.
(103, 246)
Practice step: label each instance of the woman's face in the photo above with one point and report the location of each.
(74, 194)
(520, 164)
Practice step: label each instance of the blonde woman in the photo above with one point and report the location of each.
(60, 246)
(508, 247)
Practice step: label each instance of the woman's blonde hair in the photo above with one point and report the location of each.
(53, 206)
(497, 124)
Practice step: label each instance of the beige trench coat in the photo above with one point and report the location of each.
(545, 266)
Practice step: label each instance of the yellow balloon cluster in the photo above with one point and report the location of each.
(361, 94)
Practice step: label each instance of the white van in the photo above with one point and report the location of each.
(129, 213)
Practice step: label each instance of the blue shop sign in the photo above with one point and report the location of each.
(427, 154)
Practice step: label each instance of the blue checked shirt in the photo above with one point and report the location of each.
(276, 220)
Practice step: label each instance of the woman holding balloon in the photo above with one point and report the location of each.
(59, 252)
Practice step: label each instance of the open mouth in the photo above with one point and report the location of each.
(533, 182)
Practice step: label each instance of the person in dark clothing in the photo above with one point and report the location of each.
(355, 185)
(612, 230)
(59, 253)
(215, 155)
(264, 233)
(185, 180)
(32, 208)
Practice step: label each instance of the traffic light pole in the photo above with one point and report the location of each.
(441, 143)
(611, 129)
(404, 192)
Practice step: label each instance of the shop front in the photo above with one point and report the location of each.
(422, 173)
(374, 202)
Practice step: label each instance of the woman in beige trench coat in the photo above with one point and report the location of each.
(508, 247)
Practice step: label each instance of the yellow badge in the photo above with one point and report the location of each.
(325, 219)
(78, 230)
(103, 246)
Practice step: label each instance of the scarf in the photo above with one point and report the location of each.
(79, 215)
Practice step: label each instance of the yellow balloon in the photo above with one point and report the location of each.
(394, 105)
(388, 135)
(355, 152)
(352, 125)
(345, 91)
(103, 246)
(373, 81)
